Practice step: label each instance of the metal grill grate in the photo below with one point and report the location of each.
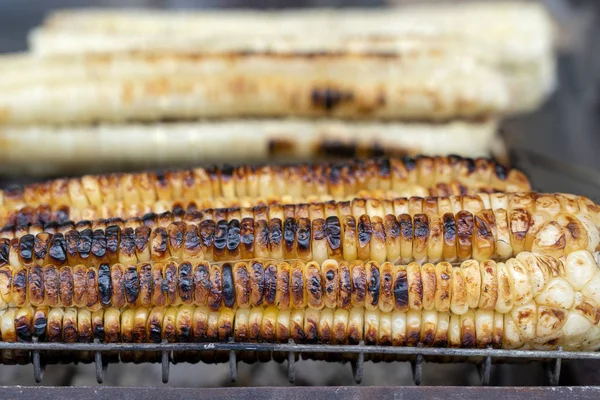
(484, 358)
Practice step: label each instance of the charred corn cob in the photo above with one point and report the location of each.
(128, 195)
(456, 228)
(484, 285)
(528, 302)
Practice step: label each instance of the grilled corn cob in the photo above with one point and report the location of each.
(528, 302)
(432, 229)
(523, 52)
(125, 195)
(110, 147)
(487, 285)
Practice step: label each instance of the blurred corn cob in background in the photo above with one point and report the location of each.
(96, 92)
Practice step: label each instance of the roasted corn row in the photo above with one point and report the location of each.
(486, 285)
(486, 226)
(128, 195)
(558, 308)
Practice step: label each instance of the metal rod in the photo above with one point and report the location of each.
(233, 366)
(291, 364)
(358, 366)
(165, 363)
(303, 348)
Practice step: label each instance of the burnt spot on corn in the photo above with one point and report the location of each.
(104, 284)
(72, 243)
(127, 245)
(40, 324)
(149, 219)
(215, 296)
(409, 163)
(160, 240)
(176, 233)
(113, 234)
(131, 284)
(23, 328)
(406, 227)
(270, 284)
(373, 283)
(281, 146)
(57, 250)
(336, 148)
(247, 234)
(85, 243)
(365, 230)
(359, 283)
(464, 223)
(233, 235)
(146, 286)
(170, 281)
(304, 233)
(241, 283)
(98, 243)
(392, 227)
(51, 285)
(66, 286)
(501, 171)
(275, 233)
(186, 289)
(201, 281)
(345, 297)
(142, 238)
(220, 238)
(290, 227)
(257, 283)
(92, 288)
(40, 246)
(421, 226)
(35, 285)
(329, 98)
(228, 286)
(26, 244)
(333, 233)
(192, 243)
(19, 287)
(483, 229)
(449, 228)
(4, 251)
(401, 290)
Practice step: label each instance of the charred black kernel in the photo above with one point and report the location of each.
(19, 282)
(337, 148)
(26, 247)
(228, 286)
(501, 172)
(207, 232)
(192, 240)
(149, 219)
(421, 226)
(176, 234)
(160, 239)
(127, 246)
(318, 229)
(131, 284)
(275, 234)
(178, 211)
(330, 275)
(112, 239)
(303, 234)
(289, 233)
(365, 230)
(401, 290)
(392, 226)
(202, 278)
(40, 245)
(53, 225)
(98, 243)
(155, 334)
(335, 174)
(85, 243)
(221, 236)
(449, 227)
(409, 163)
(25, 217)
(258, 282)
(470, 164)
(84, 224)
(66, 286)
(384, 167)
(146, 284)
(142, 237)
(329, 98)
(98, 330)
(171, 281)
(186, 289)
(215, 296)
(270, 283)
(226, 172)
(57, 250)
(247, 233)
(233, 235)
(23, 329)
(374, 285)
(314, 285)
(4, 251)
(333, 232)
(464, 226)
(40, 323)
(483, 228)
(104, 284)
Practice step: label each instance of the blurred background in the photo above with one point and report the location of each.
(557, 146)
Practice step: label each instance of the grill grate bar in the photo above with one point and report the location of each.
(552, 359)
